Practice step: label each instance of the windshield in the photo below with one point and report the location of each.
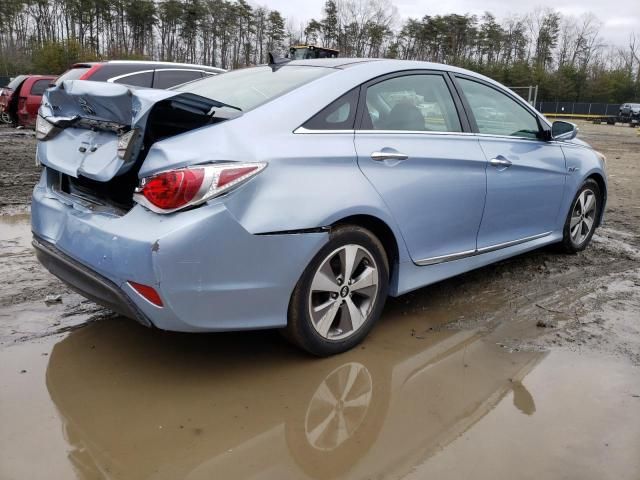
(72, 74)
(15, 83)
(250, 87)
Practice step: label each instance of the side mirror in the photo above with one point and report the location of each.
(561, 130)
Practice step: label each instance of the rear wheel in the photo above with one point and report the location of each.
(583, 216)
(340, 294)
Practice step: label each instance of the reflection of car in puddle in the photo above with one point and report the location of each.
(338, 406)
(177, 406)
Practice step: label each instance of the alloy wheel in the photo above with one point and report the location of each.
(582, 216)
(343, 292)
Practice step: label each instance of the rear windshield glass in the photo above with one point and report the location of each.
(15, 83)
(72, 74)
(251, 87)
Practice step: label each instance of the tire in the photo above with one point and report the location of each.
(582, 218)
(327, 315)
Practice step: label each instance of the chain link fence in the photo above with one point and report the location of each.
(578, 109)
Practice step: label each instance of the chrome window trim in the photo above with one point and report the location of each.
(412, 132)
(478, 251)
(124, 75)
(304, 130)
(179, 70)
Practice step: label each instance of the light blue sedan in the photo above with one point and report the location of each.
(298, 195)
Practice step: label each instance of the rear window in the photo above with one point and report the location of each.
(250, 87)
(39, 86)
(15, 83)
(72, 74)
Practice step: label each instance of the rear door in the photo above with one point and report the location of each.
(525, 173)
(414, 146)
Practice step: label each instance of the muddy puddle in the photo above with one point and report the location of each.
(115, 400)
(33, 303)
(529, 368)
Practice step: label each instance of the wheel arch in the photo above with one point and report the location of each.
(602, 185)
(382, 231)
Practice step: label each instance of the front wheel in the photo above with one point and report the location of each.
(583, 217)
(341, 293)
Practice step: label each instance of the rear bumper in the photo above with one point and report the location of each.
(211, 274)
(87, 282)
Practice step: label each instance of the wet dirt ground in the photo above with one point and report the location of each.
(525, 369)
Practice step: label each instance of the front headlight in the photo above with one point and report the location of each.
(45, 130)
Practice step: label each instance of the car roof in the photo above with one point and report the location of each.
(149, 63)
(163, 64)
(390, 64)
(331, 62)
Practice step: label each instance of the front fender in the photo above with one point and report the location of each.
(582, 162)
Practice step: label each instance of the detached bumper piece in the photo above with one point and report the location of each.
(87, 282)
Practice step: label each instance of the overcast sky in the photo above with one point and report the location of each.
(619, 17)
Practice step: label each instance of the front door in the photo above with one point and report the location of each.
(525, 174)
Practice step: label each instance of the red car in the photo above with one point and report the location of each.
(20, 100)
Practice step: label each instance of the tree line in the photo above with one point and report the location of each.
(566, 56)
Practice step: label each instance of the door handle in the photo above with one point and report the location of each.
(500, 162)
(388, 155)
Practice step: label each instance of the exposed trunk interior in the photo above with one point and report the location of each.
(167, 118)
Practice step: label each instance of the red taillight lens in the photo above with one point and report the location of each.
(174, 189)
(147, 292)
(229, 175)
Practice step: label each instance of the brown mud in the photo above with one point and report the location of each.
(529, 368)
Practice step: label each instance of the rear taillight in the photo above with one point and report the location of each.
(173, 190)
(45, 129)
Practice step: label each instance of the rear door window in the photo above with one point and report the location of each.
(420, 102)
(171, 78)
(39, 86)
(338, 115)
(139, 79)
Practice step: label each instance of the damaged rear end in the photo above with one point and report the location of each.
(94, 136)
(125, 214)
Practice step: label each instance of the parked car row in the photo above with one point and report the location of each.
(21, 98)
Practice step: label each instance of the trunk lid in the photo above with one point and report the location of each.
(95, 119)
(92, 116)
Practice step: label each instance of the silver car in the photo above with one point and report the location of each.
(299, 195)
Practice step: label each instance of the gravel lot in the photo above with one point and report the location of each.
(524, 369)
